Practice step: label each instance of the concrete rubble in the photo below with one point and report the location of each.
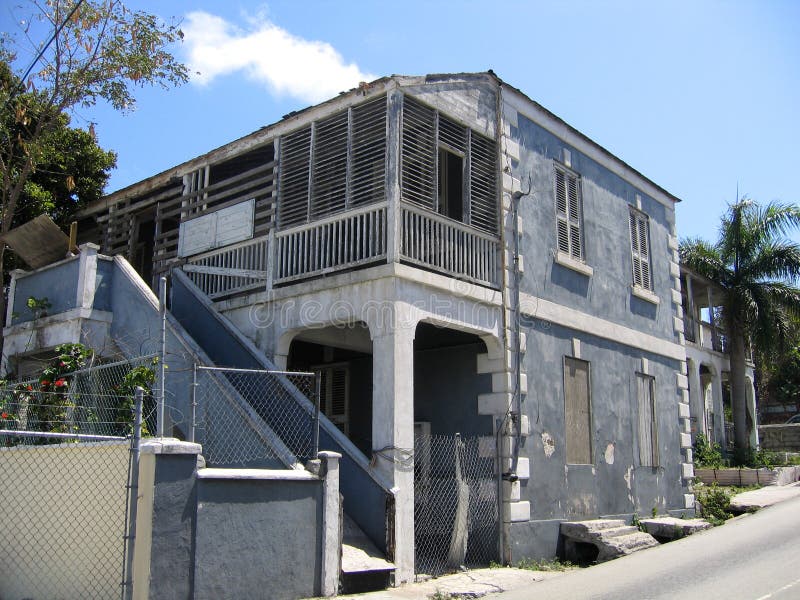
(611, 537)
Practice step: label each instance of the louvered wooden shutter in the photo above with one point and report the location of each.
(640, 250)
(483, 212)
(335, 401)
(418, 154)
(569, 217)
(368, 141)
(295, 157)
(329, 187)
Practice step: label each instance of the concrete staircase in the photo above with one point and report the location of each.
(600, 540)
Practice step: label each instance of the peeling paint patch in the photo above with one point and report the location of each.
(549, 444)
(609, 455)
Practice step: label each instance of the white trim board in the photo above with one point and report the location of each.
(580, 321)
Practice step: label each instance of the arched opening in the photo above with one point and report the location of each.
(455, 484)
(342, 355)
(446, 382)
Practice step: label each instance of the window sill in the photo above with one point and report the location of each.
(565, 260)
(645, 295)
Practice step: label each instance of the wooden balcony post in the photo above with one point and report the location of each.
(395, 104)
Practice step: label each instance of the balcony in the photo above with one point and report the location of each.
(346, 241)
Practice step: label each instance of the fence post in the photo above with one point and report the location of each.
(317, 400)
(162, 305)
(133, 496)
(194, 403)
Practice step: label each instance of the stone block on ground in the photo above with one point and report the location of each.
(610, 537)
(672, 528)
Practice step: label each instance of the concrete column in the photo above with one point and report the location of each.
(696, 398)
(393, 431)
(719, 409)
(331, 523)
(163, 556)
(87, 276)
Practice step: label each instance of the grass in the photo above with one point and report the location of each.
(530, 564)
(715, 500)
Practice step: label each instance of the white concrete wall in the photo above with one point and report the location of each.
(62, 520)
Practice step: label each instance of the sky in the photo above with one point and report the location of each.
(700, 96)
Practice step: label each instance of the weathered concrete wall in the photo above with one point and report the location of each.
(228, 533)
(58, 283)
(256, 533)
(450, 403)
(785, 438)
(62, 520)
(606, 200)
(591, 311)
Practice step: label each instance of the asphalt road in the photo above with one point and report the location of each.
(755, 557)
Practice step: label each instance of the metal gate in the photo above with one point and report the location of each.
(455, 504)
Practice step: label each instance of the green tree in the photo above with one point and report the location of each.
(99, 51)
(756, 267)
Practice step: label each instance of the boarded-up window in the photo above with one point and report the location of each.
(640, 249)
(648, 438)
(569, 213)
(577, 411)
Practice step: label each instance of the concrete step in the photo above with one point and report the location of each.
(605, 538)
(672, 528)
(359, 554)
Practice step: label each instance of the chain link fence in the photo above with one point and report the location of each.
(254, 418)
(455, 505)
(64, 523)
(95, 401)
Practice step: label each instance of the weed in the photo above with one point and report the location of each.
(554, 564)
(715, 504)
(706, 454)
(440, 595)
(637, 522)
(654, 512)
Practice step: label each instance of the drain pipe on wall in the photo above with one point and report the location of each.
(516, 409)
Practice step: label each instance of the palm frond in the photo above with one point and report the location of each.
(774, 261)
(704, 259)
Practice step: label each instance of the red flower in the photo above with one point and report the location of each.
(29, 387)
(62, 364)
(60, 383)
(45, 382)
(4, 415)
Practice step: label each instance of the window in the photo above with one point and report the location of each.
(447, 167)
(640, 249)
(451, 184)
(648, 438)
(577, 411)
(569, 214)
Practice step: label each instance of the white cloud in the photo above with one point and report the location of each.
(309, 70)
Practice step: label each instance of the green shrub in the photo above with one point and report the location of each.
(706, 454)
(715, 504)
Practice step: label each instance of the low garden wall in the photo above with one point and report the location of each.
(742, 477)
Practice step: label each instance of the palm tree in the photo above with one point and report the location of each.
(756, 267)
